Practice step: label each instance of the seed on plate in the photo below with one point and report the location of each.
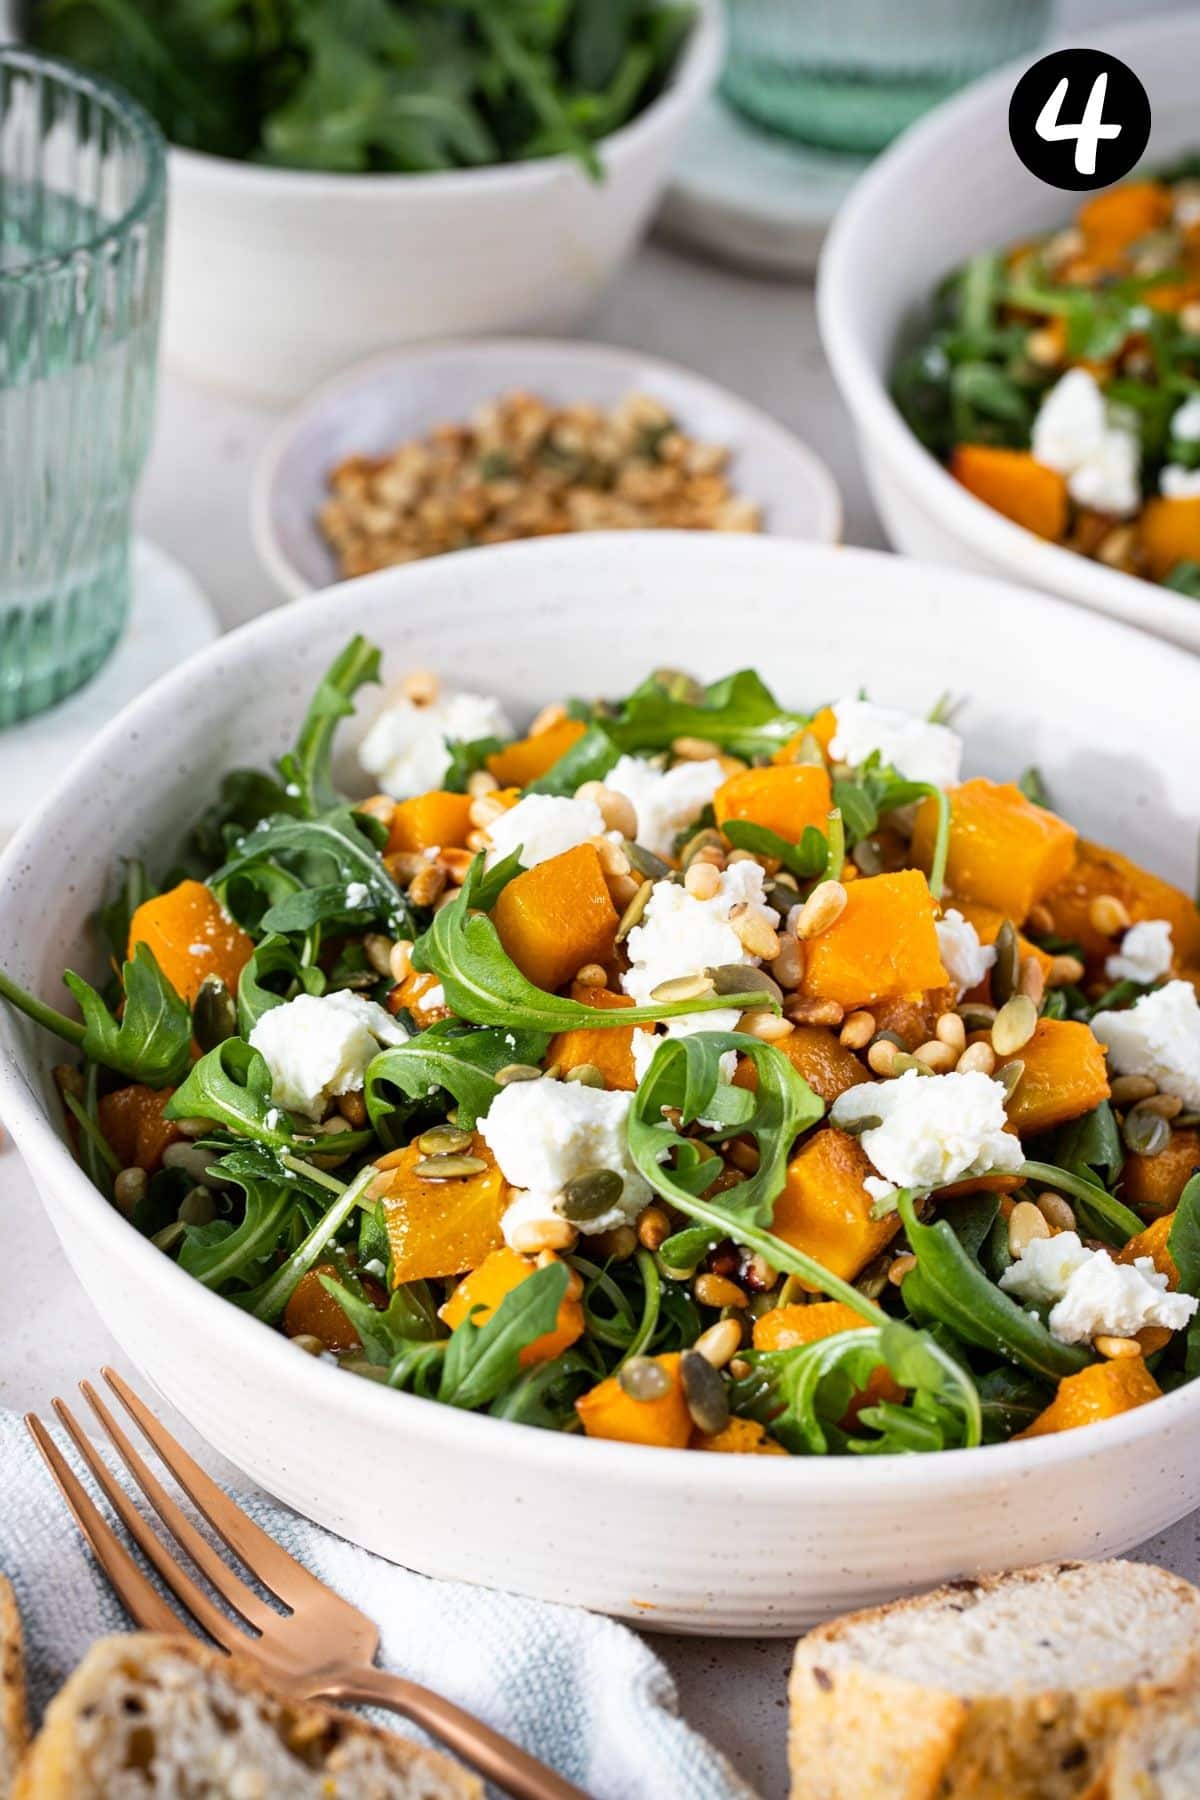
(634, 910)
(1056, 1211)
(1009, 1077)
(1108, 915)
(552, 714)
(743, 978)
(936, 1055)
(755, 935)
(421, 687)
(904, 1061)
(1167, 1106)
(858, 1030)
(951, 1030)
(695, 749)
(378, 806)
(197, 1207)
(1145, 1133)
(311, 1346)
(682, 987)
(1007, 967)
(977, 1058)
(767, 1027)
(1025, 1222)
(720, 1342)
(517, 1072)
(447, 1166)
(129, 1189)
(739, 1368)
(214, 1013)
(616, 809)
(594, 1192)
(191, 1159)
(194, 1128)
(1014, 1025)
(899, 1267)
(644, 1379)
(1031, 979)
(976, 1016)
(1064, 971)
(1116, 1347)
(443, 1140)
(824, 906)
(480, 782)
(1126, 1089)
(354, 1111)
(378, 950)
(702, 880)
(485, 809)
(653, 1227)
(543, 1234)
(814, 1012)
(586, 1075)
(622, 890)
(646, 866)
(592, 975)
(1043, 348)
(400, 960)
(704, 1391)
(613, 859)
(881, 1055)
(715, 1290)
(788, 966)
(617, 1245)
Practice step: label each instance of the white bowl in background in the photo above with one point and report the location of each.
(710, 1544)
(950, 186)
(402, 394)
(276, 278)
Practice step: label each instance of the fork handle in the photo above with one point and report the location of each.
(494, 1757)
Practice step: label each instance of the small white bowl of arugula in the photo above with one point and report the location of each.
(336, 190)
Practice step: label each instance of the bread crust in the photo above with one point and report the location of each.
(14, 1716)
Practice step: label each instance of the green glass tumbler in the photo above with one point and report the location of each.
(82, 215)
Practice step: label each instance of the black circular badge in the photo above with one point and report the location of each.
(1079, 119)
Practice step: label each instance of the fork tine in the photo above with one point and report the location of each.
(280, 1573)
(225, 1580)
(140, 1599)
(210, 1618)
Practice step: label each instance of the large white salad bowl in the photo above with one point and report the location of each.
(713, 1544)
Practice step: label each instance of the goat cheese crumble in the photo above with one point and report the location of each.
(318, 1046)
(666, 801)
(1159, 1036)
(1185, 421)
(1177, 483)
(965, 960)
(916, 748)
(1089, 1294)
(544, 1133)
(405, 749)
(1145, 953)
(932, 1130)
(1095, 445)
(541, 826)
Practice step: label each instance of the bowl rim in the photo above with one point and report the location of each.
(864, 386)
(263, 485)
(273, 1358)
(695, 71)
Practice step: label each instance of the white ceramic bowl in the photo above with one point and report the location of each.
(402, 394)
(277, 278)
(950, 186)
(706, 1544)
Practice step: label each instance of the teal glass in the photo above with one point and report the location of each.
(851, 74)
(82, 214)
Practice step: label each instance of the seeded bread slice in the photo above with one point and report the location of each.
(1157, 1757)
(166, 1717)
(13, 1719)
(1013, 1687)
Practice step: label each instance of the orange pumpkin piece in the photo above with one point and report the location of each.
(1064, 1076)
(485, 1287)
(313, 1312)
(1003, 849)
(433, 821)
(912, 1017)
(1169, 532)
(437, 1227)
(1095, 872)
(814, 1052)
(609, 1050)
(1154, 1242)
(609, 1412)
(558, 916)
(529, 758)
(191, 937)
(987, 921)
(884, 943)
(825, 1211)
(741, 1437)
(1012, 482)
(1100, 1391)
(787, 1326)
(1116, 217)
(1153, 1184)
(421, 994)
(784, 798)
(131, 1118)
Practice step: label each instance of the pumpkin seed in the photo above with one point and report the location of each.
(634, 911)
(1167, 1106)
(708, 838)
(704, 1391)
(443, 1140)
(651, 867)
(1010, 1076)
(680, 685)
(977, 1017)
(682, 987)
(193, 1161)
(902, 1062)
(589, 1195)
(169, 1236)
(1145, 1133)
(780, 897)
(449, 1167)
(867, 857)
(1014, 1025)
(311, 1346)
(644, 1379)
(197, 1207)
(586, 1075)
(214, 1013)
(1006, 972)
(517, 1072)
(743, 978)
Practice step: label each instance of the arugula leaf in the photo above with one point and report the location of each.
(385, 1334)
(96, 1156)
(1099, 1213)
(1011, 1400)
(307, 907)
(224, 1255)
(272, 958)
(268, 1300)
(308, 767)
(482, 1361)
(232, 1086)
(805, 859)
(589, 759)
(876, 788)
(244, 797)
(545, 1394)
(336, 844)
(1033, 786)
(738, 713)
(452, 1058)
(152, 1039)
(1183, 1241)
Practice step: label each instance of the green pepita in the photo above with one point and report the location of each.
(977, 1017)
(705, 1392)
(902, 1062)
(443, 1140)
(856, 1127)
(643, 1379)
(589, 1195)
(586, 1075)
(1006, 972)
(214, 1013)
(197, 1207)
(743, 978)
(867, 857)
(649, 866)
(449, 1167)
(1010, 1076)
(1145, 1133)
(682, 987)
(517, 1072)
(1014, 1025)
(634, 911)
(680, 686)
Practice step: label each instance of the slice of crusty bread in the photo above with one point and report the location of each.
(166, 1717)
(1013, 1687)
(13, 1718)
(1157, 1756)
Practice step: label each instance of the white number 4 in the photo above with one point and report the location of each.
(1090, 129)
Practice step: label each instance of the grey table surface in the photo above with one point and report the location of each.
(760, 338)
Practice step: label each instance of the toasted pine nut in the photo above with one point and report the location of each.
(623, 889)
(1063, 971)
(550, 715)
(695, 749)
(617, 1245)
(979, 1058)
(543, 1234)
(936, 1056)
(477, 841)
(616, 810)
(485, 810)
(400, 960)
(720, 1342)
(592, 975)
(788, 966)
(1116, 1347)
(1044, 348)
(379, 952)
(881, 1056)
(1031, 979)
(765, 1026)
(1056, 1211)
(421, 687)
(1040, 920)
(613, 859)
(951, 1030)
(814, 1012)
(739, 1368)
(1167, 1106)
(379, 806)
(1126, 1090)
(1025, 1223)
(754, 932)
(703, 879)
(311, 1345)
(858, 1030)
(427, 885)
(456, 864)
(824, 905)
(480, 782)
(899, 1267)
(714, 1290)
(1108, 915)
(129, 1188)
(653, 1227)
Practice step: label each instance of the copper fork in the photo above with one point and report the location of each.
(321, 1648)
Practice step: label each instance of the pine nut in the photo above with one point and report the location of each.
(543, 1234)
(613, 859)
(1064, 971)
(1056, 1211)
(1040, 920)
(754, 932)
(695, 749)
(485, 810)
(714, 1290)
(881, 1056)
(1014, 1025)
(788, 966)
(857, 1031)
(1108, 915)
(1031, 979)
(1043, 348)
(379, 952)
(703, 880)
(977, 1058)
(623, 890)
(68, 1080)
(378, 806)
(1125, 1090)
(936, 1056)
(592, 975)
(739, 1368)
(617, 1245)
(354, 1110)
(814, 1012)
(477, 841)
(129, 1189)
(765, 1026)
(311, 1346)
(616, 809)
(898, 1268)
(1167, 1106)
(480, 782)
(824, 906)
(1116, 1347)
(653, 1227)
(455, 865)
(951, 1030)
(548, 718)
(198, 1128)
(720, 1342)
(1026, 1222)
(421, 687)
(427, 885)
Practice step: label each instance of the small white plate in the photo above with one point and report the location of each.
(384, 402)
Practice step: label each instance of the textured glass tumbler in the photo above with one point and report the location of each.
(82, 210)
(851, 74)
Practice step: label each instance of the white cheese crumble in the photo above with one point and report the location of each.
(357, 894)
(918, 749)
(1159, 1036)
(1089, 1294)
(318, 1046)
(666, 801)
(544, 1133)
(541, 826)
(1145, 953)
(1095, 445)
(1178, 483)
(965, 960)
(1185, 420)
(405, 749)
(933, 1129)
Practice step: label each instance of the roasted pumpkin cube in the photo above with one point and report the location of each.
(609, 1050)
(1116, 217)
(131, 1119)
(1169, 533)
(313, 1311)
(1064, 1076)
(1003, 849)
(1012, 482)
(439, 1227)
(420, 993)
(529, 758)
(1100, 1391)
(191, 937)
(1153, 1184)
(1154, 1242)
(1096, 873)
(436, 820)
(609, 1412)
(825, 1211)
(987, 921)
(741, 1437)
(784, 798)
(481, 1292)
(883, 943)
(556, 917)
(815, 1053)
